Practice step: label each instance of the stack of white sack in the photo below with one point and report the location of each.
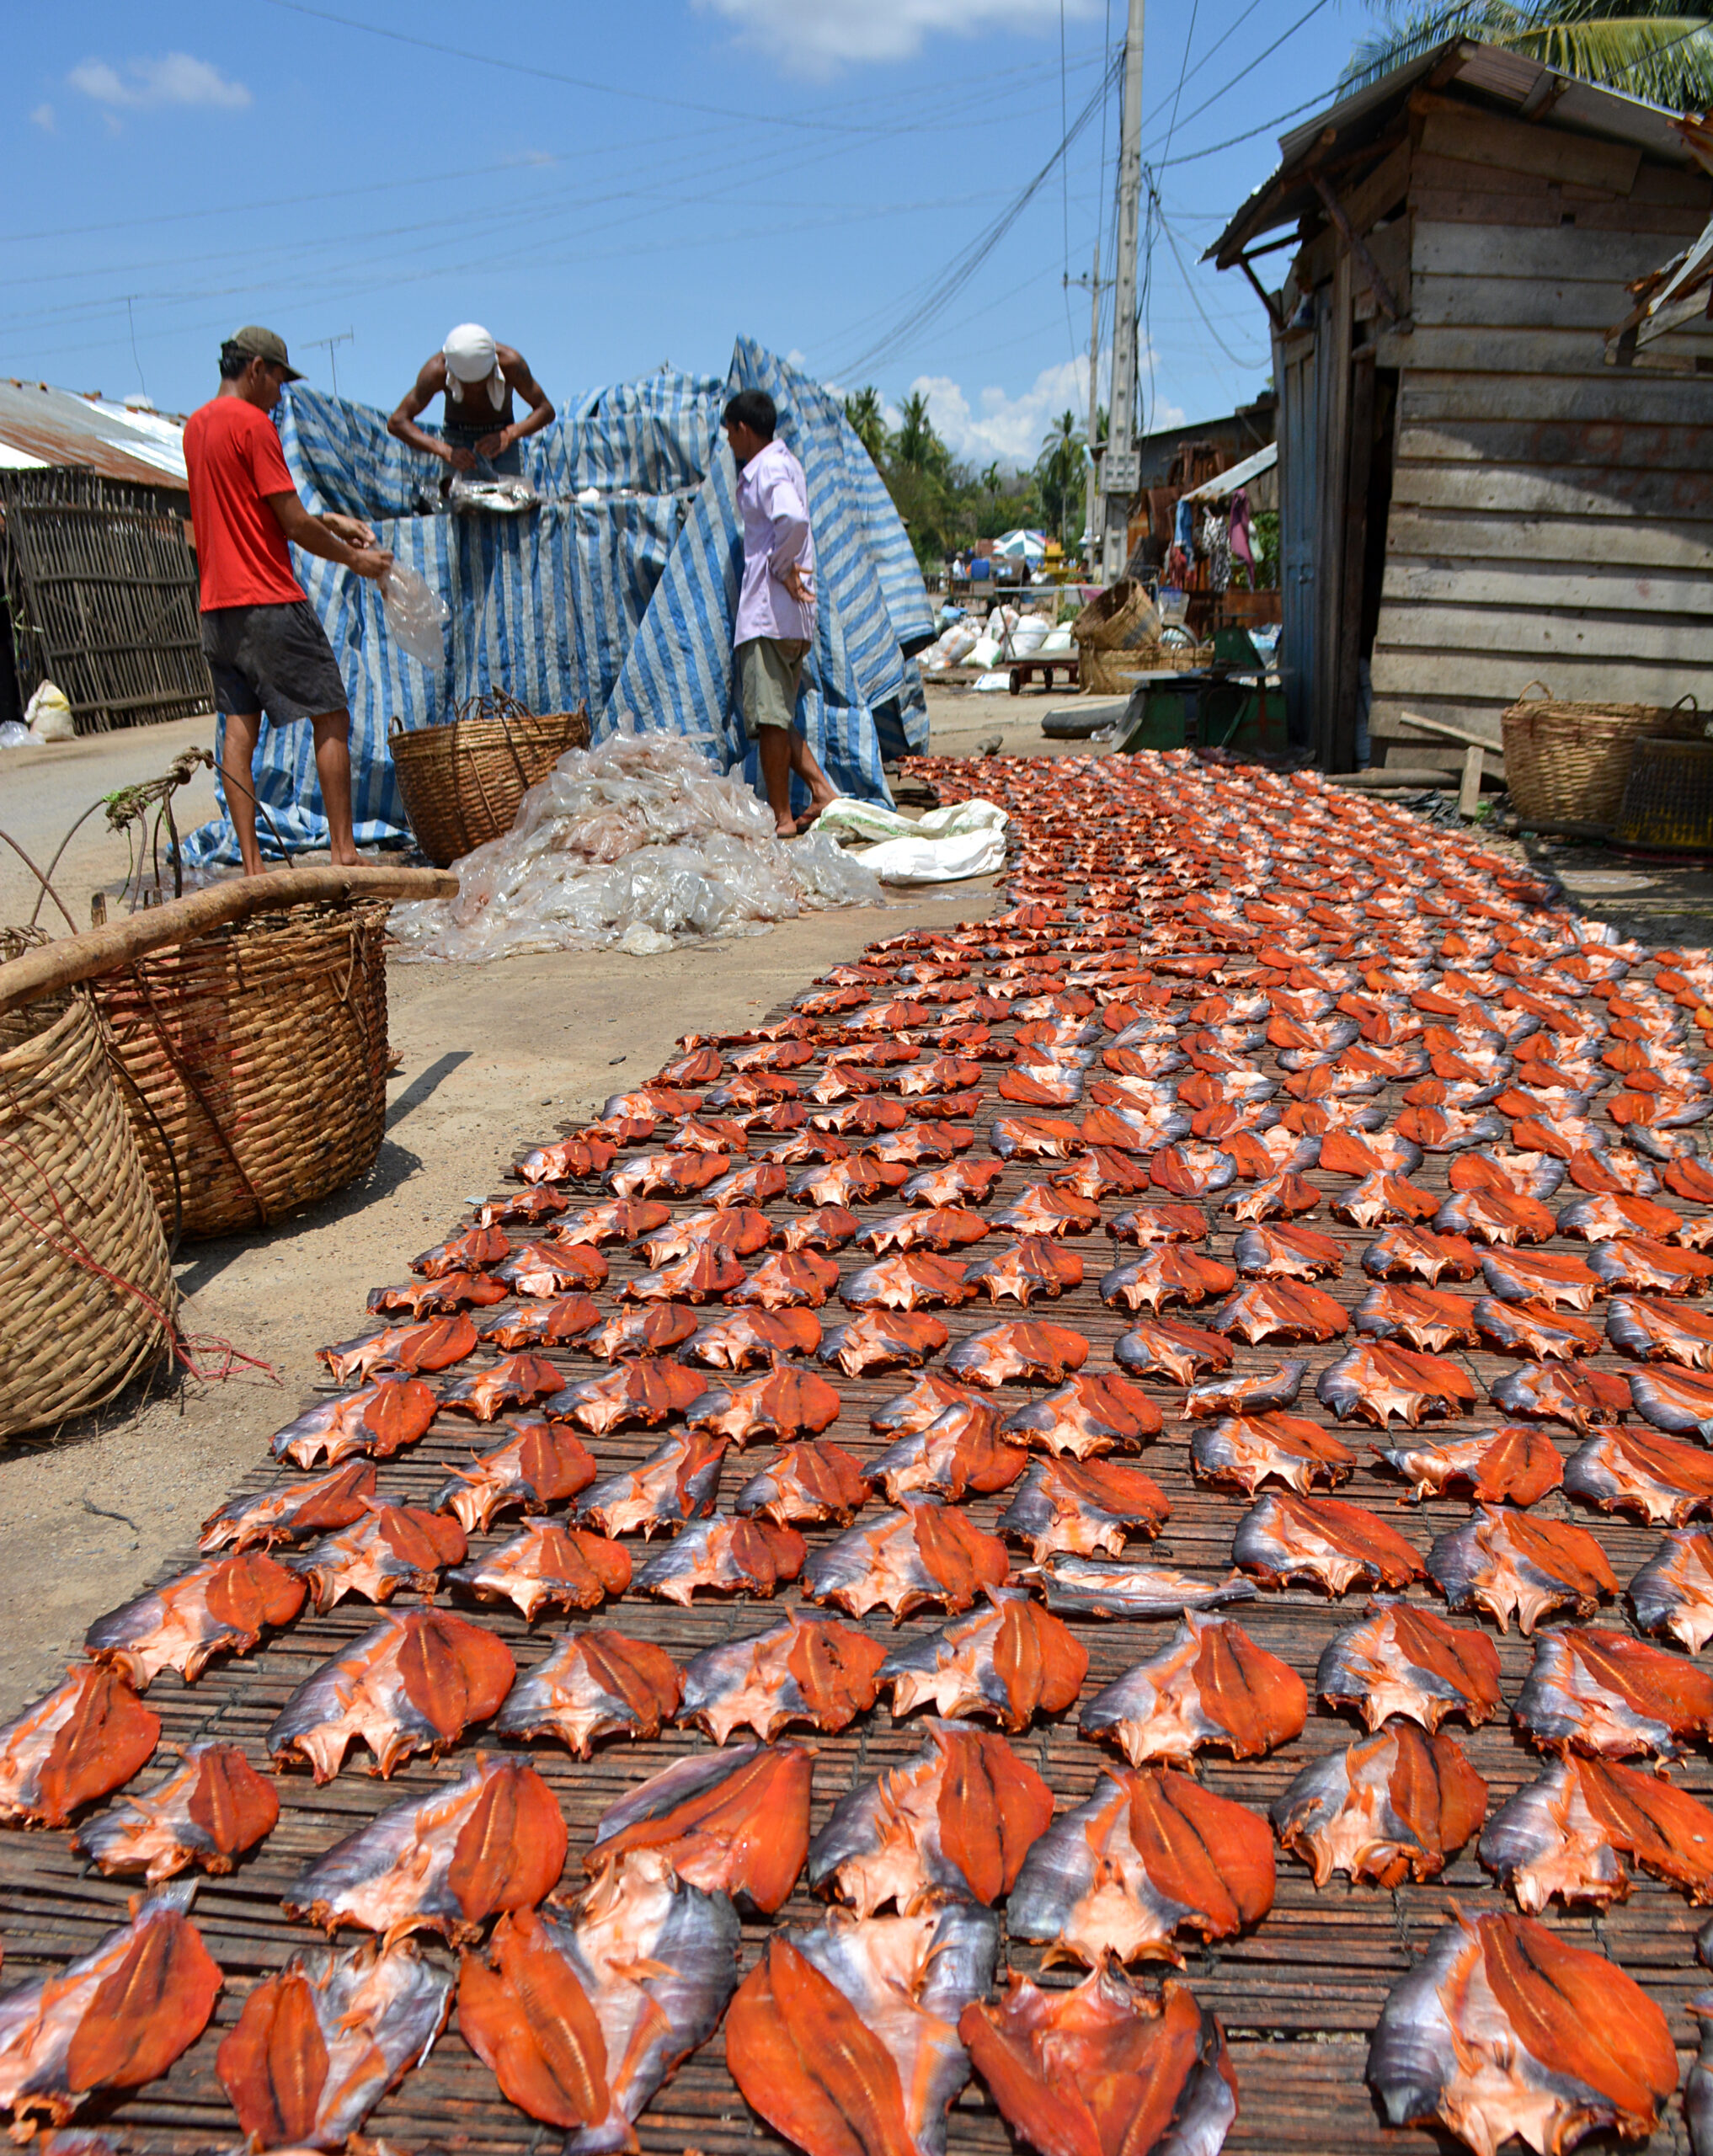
(951, 647)
(636, 844)
(1057, 642)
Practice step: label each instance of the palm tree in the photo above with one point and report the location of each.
(867, 421)
(915, 444)
(1652, 49)
(1060, 469)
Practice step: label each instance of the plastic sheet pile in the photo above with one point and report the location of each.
(636, 844)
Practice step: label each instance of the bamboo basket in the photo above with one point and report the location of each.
(1668, 804)
(463, 782)
(254, 1061)
(1116, 673)
(1116, 619)
(1568, 763)
(86, 1286)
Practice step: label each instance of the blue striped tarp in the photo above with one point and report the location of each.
(624, 604)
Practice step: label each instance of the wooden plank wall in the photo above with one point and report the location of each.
(1551, 516)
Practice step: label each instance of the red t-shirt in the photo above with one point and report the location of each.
(235, 462)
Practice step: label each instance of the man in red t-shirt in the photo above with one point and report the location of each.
(265, 647)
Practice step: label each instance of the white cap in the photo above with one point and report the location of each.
(470, 352)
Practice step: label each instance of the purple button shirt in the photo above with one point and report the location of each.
(773, 502)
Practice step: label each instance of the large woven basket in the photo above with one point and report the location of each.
(462, 781)
(1116, 619)
(1116, 673)
(86, 1286)
(1567, 763)
(254, 1061)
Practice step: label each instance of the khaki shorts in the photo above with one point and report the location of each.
(769, 671)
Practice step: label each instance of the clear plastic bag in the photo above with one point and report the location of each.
(416, 614)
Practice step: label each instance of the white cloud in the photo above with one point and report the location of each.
(42, 117)
(996, 427)
(176, 79)
(819, 39)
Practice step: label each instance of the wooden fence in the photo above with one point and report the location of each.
(101, 585)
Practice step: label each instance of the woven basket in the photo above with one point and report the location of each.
(86, 1286)
(1567, 763)
(254, 1062)
(1668, 802)
(1116, 619)
(462, 783)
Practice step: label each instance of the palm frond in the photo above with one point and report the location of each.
(1622, 45)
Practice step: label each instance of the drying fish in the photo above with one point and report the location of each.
(1288, 1254)
(961, 1450)
(514, 1381)
(921, 1556)
(1034, 1265)
(1380, 1198)
(679, 1481)
(935, 1227)
(1100, 1587)
(116, 2018)
(1523, 1175)
(450, 1291)
(925, 1402)
(1042, 1209)
(1400, 1660)
(1650, 1331)
(413, 1683)
(1192, 1170)
(434, 1345)
(1164, 1274)
(731, 1555)
(732, 1823)
(1657, 1479)
(954, 1823)
(571, 1160)
(874, 1342)
(806, 1483)
(1506, 2028)
(844, 2038)
(804, 1669)
(389, 1547)
(1634, 1264)
(667, 1174)
(1504, 1466)
(289, 1510)
(1212, 1686)
(757, 1184)
(1011, 1661)
(748, 1340)
(959, 1182)
(652, 1329)
(595, 1683)
(1569, 1833)
(1600, 1219)
(1533, 1331)
(539, 1466)
(709, 1133)
(1105, 2068)
(541, 1325)
(540, 1201)
(709, 1271)
(493, 1840)
(1546, 1392)
(649, 1390)
(320, 2042)
(1261, 1393)
(1602, 1692)
(378, 1421)
(619, 1220)
(81, 1741)
(1025, 1351)
(1550, 1276)
(912, 1282)
(1102, 1171)
(1511, 1564)
(788, 1280)
(1673, 1591)
(1396, 1807)
(1245, 1450)
(210, 1808)
(1359, 1153)
(1322, 1540)
(1088, 1414)
(1277, 1197)
(543, 1270)
(548, 1566)
(1418, 1253)
(1160, 1224)
(1083, 1506)
(1282, 1310)
(1150, 1855)
(856, 1181)
(1421, 1317)
(782, 1405)
(1377, 1382)
(219, 1608)
(827, 1228)
(1167, 1348)
(581, 2017)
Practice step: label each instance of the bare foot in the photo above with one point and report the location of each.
(785, 827)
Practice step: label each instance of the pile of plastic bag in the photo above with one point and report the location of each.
(635, 845)
(1010, 632)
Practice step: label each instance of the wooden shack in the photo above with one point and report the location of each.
(1474, 495)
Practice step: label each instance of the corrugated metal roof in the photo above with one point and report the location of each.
(54, 426)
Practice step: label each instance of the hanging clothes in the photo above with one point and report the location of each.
(1176, 573)
(1183, 531)
(1242, 546)
(1216, 545)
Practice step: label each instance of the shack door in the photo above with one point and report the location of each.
(1294, 356)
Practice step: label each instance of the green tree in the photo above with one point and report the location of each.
(1650, 48)
(916, 445)
(1059, 471)
(867, 421)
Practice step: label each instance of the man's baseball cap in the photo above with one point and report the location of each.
(470, 352)
(263, 345)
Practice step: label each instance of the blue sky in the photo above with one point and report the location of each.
(637, 186)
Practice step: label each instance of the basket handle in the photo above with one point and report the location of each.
(1688, 697)
(1536, 683)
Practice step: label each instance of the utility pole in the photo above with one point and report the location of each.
(328, 344)
(1121, 466)
(1091, 500)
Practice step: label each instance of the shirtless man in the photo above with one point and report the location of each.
(478, 379)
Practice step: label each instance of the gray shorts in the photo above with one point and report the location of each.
(770, 670)
(275, 659)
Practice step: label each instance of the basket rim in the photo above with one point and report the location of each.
(486, 727)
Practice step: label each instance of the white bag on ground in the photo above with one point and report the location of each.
(1029, 635)
(416, 614)
(948, 860)
(49, 716)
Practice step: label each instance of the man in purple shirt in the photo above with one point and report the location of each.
(776, 622)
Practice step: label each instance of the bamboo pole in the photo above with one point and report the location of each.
(73, 958)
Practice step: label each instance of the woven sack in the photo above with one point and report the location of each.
(86, 1286)
(462, 783)
(254, 1062)
(1116, 619)
(1568, 763)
